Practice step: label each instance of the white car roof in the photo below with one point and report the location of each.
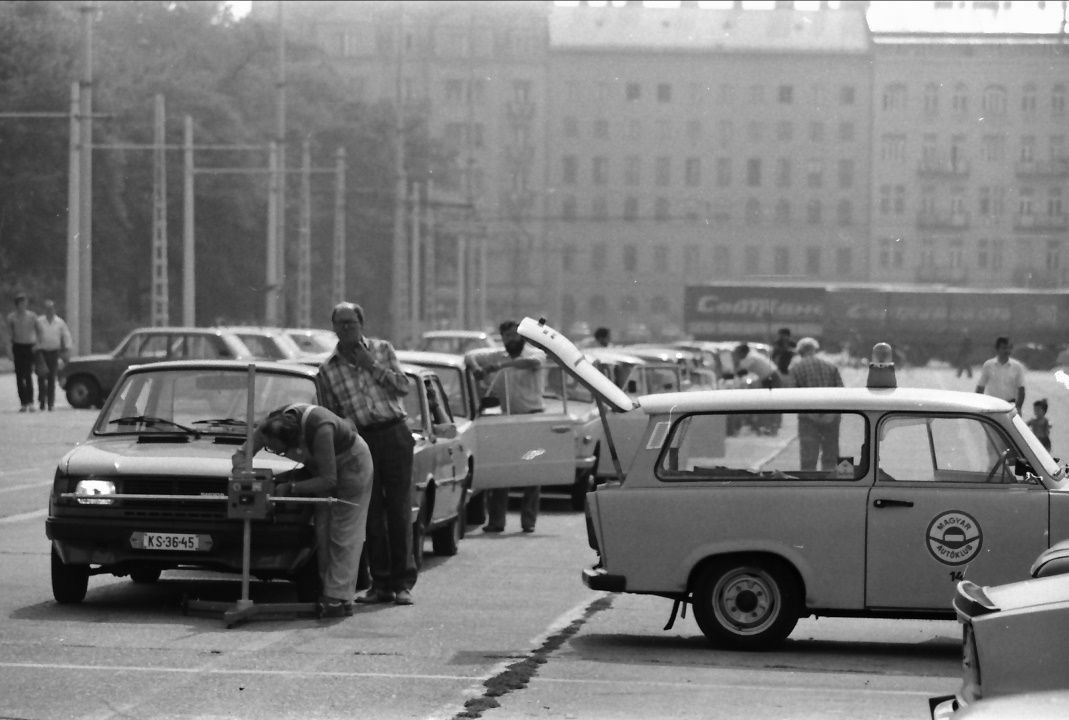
(834, 399)
(425, 357)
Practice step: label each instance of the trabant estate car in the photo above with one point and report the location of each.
(1014, 652)
(166, 436)
(88, 379)
(919, 490)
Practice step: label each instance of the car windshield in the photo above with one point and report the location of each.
(207, 400)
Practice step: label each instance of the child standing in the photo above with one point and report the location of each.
(1040, 424)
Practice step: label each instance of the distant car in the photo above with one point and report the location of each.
(313, 341)
(923, 487)
(1014, 652)
(88, 379)
(457, 342)
(269, 343)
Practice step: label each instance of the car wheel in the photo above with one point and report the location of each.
(306, 581)
(746, 603)
(145, 576)
(69, 582)
(83, 392)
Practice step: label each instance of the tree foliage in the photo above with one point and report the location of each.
(222, 73)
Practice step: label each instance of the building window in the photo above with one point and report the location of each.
(660, 258)
(847, 95)
(846, 174)
(753, 212)
(664, 171)
(844, 261)
(1054, 202)
(813, 212)
(757, 95)
(893, 147)
(692, 259)
(1057, 102)
(812, 261)
(664, 129)
(846, 131)
(1028, 101)
(600, 170)
(755, 131)
(568, 208)
(1028, 149)
(894, 98)
(454, 92)
(783, 172)
(781, 260)
(753, 172)
(816, 131)
(884, 203)
(567, 257)
(900, 200)
(630, 258)
(783, 211)
(601, 129)
(633, 91)
(784, 130)
(571, 126)
(993, 148)
(931, 100)
(959, 102)
(661, 209)
(723, 172)
(721, 261)
(630, 208)
(725, 131)
(634, 130)
(753, 260)
(814, 174)
(632, 170)
(664, 92)
(694, 130)
(599, 209)
(570, 170)
(597, 258)
(994, 101)
(693, 171)
(786, 94)
(845, 213)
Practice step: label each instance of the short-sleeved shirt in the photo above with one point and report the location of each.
(23, 327)
(1002, 380)
(520, 390)
(758, 365)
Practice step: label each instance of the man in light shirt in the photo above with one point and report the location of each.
(22, 332)
(1002, 376)
(53, 344)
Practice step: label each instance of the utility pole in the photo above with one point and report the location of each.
(160, 286)
(338, 292)
(188, 250)
(304, 239)
(400, 192)
(74, 261)
(274, 310)
(414, 272)
(84, 337)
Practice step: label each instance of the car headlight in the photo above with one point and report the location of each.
(93, 490)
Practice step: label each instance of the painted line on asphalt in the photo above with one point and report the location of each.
(229, 671)
(27, 486)
(11, 519)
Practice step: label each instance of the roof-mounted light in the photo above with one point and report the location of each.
(882, 367)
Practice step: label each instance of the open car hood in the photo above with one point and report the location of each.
(574, 361)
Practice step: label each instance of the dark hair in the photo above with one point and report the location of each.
(507, 325)
(347, 306)
(1042, 402)
(742, 349)
(784, 331)
(1001, 340)
(601, 332)
(283, 425)
(20, 296)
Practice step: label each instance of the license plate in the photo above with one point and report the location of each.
(183, 542)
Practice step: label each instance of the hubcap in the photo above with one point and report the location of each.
(746, 601)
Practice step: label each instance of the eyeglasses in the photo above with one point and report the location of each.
(347, 323)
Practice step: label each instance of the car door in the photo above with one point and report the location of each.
(522, 450)
(946, 506)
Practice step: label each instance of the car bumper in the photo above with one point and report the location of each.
(274, 548)
(596, 578)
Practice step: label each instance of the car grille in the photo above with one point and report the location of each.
(177, 508)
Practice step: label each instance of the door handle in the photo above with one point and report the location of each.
(883, 503)
(560, 428)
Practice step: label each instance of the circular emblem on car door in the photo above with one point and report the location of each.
(954, 537)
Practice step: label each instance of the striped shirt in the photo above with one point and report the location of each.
(813, 372)
(367, 397)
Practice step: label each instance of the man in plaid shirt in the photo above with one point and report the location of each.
(818, 433)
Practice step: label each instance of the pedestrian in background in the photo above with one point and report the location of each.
(363, 382)
(783, 350)
(22, 329)
(53, 346)
(335, 463)
(818, 433)
(518, 385)
(1039, 423)
(962, 361)
(1002, 376)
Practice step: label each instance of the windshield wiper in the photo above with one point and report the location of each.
(229, 422)
(150, 421)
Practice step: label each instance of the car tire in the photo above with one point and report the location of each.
(145, 576)
(476, 512)
(69, 582)
(746, 603)
(83, 392)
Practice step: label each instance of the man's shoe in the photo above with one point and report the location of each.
(403, 597)
(375, 597)
(528, 530)
(330, 608)
(22, 409)
(493, 529)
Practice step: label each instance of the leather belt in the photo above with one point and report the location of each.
(380, 426)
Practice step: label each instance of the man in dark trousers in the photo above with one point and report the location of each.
(818, 433)
(362, 381)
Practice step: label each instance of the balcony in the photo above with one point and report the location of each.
(932, 220)
(943, 167)
(1034, 169)
(942, 274)
(1028, 222)
(520, 112)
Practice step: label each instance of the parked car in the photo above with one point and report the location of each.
(313, 341)
(1014, 652)
(457, 342)
(924, 487)
(166, 435)
(88, 379)
(269, 343)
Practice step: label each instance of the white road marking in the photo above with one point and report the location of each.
(10, 519)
